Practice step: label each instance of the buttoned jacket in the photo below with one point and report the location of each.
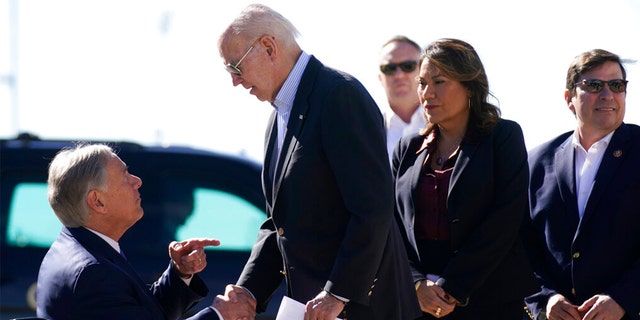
(330, 205)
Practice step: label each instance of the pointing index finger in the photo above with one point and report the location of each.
(203, 242)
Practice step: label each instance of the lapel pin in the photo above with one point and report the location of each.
(617, 153)
(300, 117)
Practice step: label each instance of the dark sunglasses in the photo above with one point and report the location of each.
(596, 86)
(405, 66)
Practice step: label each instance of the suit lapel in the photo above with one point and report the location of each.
(566, 179)
(297, 119)
(465, 153)
(270, 160)
(105, 254)
(414, 171)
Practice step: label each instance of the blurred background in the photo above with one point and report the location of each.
(149, 71)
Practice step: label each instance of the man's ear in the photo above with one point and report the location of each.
(94, 201)
(569, 99)
(270, 45)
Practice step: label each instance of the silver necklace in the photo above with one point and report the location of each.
(440, 159)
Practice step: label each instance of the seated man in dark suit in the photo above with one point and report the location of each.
(85, 276)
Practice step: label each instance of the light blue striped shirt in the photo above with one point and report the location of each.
(284, 99)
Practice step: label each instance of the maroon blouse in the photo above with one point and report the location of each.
(431, 222)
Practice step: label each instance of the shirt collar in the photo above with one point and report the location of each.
(428, 141)
(114, 244)
(575, 140)
(284, 99)
(394, 120)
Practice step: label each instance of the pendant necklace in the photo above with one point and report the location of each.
(440, 160)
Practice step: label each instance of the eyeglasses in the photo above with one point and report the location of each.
(236, 69)
(405, 66)
(596, 86)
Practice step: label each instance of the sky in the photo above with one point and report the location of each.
(149, 71)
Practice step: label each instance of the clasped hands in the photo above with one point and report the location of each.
(434, 300)
(597, 307)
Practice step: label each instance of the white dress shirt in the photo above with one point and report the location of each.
(587, 163)
(397, 128)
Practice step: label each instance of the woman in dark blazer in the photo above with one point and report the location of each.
(461, 193)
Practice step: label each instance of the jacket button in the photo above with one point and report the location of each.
(280, 232)
(576, 255)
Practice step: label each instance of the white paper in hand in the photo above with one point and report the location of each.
(291, 310)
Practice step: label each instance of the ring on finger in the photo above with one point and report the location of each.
(438, 310)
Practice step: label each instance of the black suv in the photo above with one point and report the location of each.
(185, 193)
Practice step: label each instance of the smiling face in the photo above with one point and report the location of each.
(444, 100)
(600, 113)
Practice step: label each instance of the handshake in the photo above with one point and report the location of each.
(236, 304)
(188, 257)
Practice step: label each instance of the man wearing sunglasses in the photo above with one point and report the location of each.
(398, 75)
(584, 226)
(331, 233)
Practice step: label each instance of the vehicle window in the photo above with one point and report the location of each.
(31, 220)
(223, 216)
(212, 213)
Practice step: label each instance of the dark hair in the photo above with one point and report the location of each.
(588, 60)
(459, 61)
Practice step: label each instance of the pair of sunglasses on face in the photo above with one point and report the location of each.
(405, 66)
(596, 86)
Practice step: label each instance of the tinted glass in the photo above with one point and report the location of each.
(210, 213)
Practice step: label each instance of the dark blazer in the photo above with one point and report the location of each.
(599, 254)
(83, 277)
(487, 201)
(330, 205)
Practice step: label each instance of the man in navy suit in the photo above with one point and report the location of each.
(585, 202)
(330, 230)
(84, 275)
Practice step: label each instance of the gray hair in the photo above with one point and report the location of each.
(257, 20)
(74, 172)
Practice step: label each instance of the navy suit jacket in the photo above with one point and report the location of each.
(600, 253)
(82, 277)
(486, 203)
(330, 206)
